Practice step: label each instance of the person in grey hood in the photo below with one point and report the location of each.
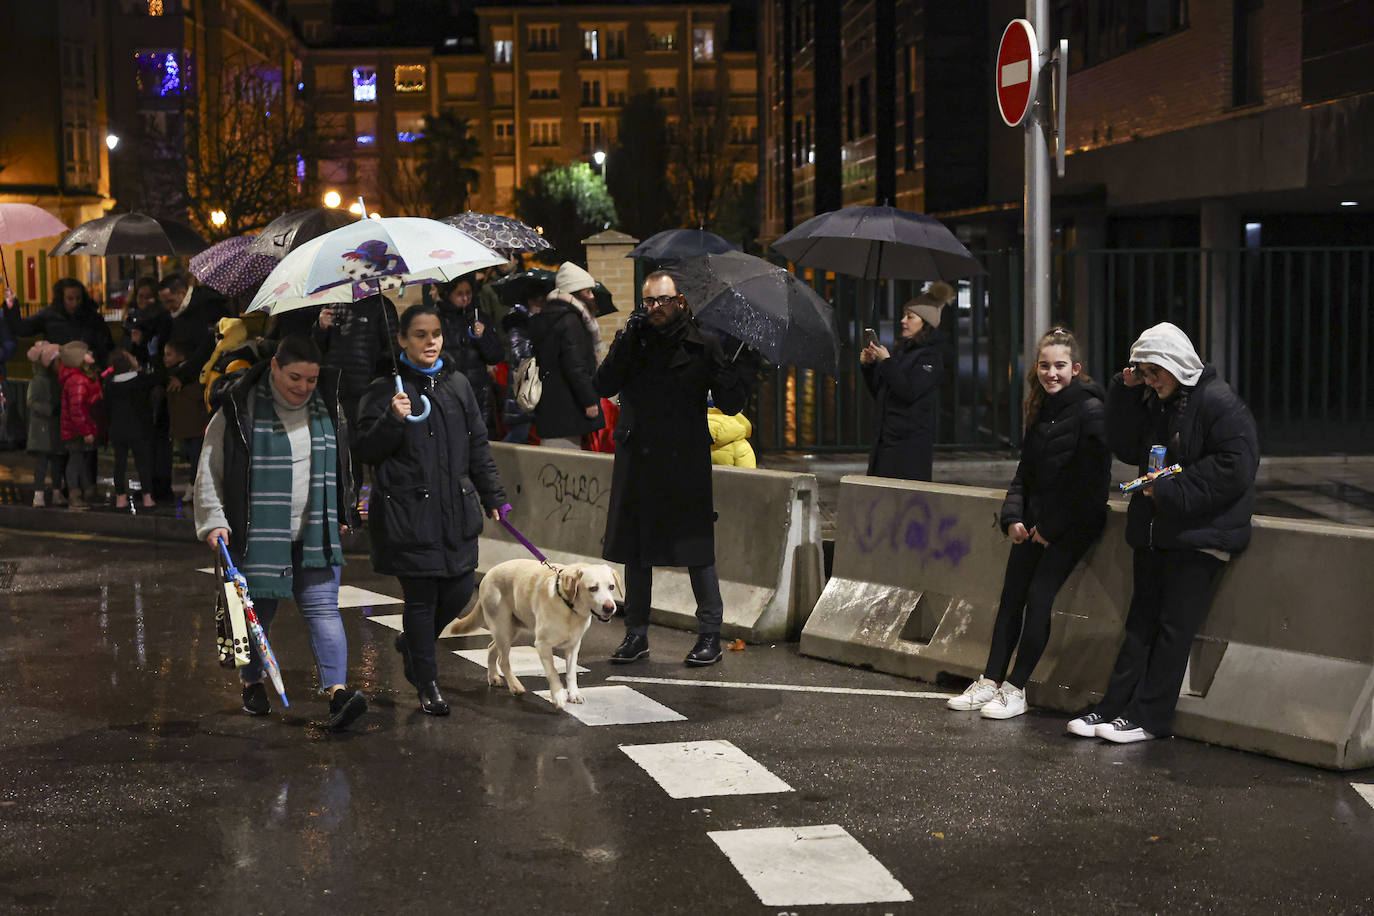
(1183, 528)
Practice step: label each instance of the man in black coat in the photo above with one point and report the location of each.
(662, 366)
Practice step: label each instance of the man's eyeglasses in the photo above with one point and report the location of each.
(660, 301)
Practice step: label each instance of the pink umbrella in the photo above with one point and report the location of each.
(22, 222)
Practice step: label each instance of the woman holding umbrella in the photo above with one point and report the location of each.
(276, 484)
(432, 477)
(905, 385)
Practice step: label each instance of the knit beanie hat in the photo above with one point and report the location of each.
(1166, 346)
(930, 314)
(571, 278)
(929, 304)
(74, 353)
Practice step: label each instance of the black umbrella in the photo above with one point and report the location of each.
(676, 244)
(763, 305)
(516, 289)
(281, 236)
(879, 243)
(132, 234)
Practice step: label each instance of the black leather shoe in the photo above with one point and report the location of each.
(431, 701)
(255, 700)
(705, 652)
(632, 649)
(345, 705)
(403, 647)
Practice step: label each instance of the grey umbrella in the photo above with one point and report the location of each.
(879, 243)
(499, 233)
(763, 305)
(132, 234)
(281, 236)
(231, 266)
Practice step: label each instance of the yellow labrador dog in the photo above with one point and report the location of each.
(523, 597)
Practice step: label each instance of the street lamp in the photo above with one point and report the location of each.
(218, 218)
(332, 199)
(111, 141)
(599, 157)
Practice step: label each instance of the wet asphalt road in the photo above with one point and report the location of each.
(130, 781)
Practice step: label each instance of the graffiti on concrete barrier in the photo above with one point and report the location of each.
(571, 489)
(910, 525)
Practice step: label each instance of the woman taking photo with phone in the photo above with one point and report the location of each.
(432, 477)
(905, 384)
(1055, 509)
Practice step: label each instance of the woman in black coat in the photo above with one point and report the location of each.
(569, 407)
(431, 480)
(471, 343)
(905, 385)
(1183, 528)
(1054, 511)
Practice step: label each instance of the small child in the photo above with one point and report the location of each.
(44, 402)
(80, 395)
(186, 410)
(130, 404)
(730, 438)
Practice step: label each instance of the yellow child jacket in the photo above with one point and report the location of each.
(730, 439)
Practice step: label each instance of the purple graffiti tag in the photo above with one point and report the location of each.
(910, 526)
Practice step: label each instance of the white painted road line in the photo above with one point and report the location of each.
(794, 688)
(1366, 790)
(352, 596)
(524, 660)
(696, 769)
(805, 866)
(617, 706)
(394, 622)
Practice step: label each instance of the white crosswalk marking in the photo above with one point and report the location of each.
(617, 705)
(1366, 790)
(524, 661)
(805, 866)
(786, 688)
(352, 596)
(696, 769)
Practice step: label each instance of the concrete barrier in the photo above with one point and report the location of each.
(1284, 664)
(768, 544)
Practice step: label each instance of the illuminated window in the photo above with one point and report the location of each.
(410, 126)
(364, 84)
(662, 36)
(502, 45)
(365, 128)
(300, 173)
(155, 7)
(591, 44)
(704, 43)
(410, 78)
(159, 74)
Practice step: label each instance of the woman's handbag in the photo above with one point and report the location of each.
(231, 629)
(526, 385)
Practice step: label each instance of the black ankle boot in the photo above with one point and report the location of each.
(705, 652)
(632, 649)
(403, 647)
(431, 701)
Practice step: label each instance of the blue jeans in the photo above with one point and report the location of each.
(317, 594)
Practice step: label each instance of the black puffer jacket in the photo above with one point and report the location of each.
(567, 362)
(1060, 487)
(56, 325)
(361, 335)
(906, 387)
(425, 514)
(468, 354)
(131, 407)
(1207, 429)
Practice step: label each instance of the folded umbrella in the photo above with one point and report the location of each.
(676, 244)
(763, 305)
(231, 266)
(291, 230)
(269, 659)
(499, 233)
(131, 234)
(879, 243)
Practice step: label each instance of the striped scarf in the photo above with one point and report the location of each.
(267, 562)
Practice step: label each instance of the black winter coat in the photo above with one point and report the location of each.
(361, 336)
(661, 511)
(55, 325)
(567, 362)
(424, 515)
(131, 408)
(193, 328)
(1060, 486)
(906, 386)
(468, 354)
(1207, 429)
(238, 455)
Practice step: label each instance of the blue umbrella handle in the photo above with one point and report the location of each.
(415, 417)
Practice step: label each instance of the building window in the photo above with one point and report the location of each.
(78, 160)
(591, 44)
(1099, 30)
(798, 151)
(313, 31)
(1246, 42)
(662, 36)
(744, 82)
(410, 78)
(744, 131)
(502, 45)
(704, 43)
(614, 40)
(849, 107)
(365, 128)
(663, 84)
(155, 8)
(410, 126)
(502, 89)
(617, 90)
(364, 84)
(593, 137)
(544, 85)
(591, 92)
(545, 132)
(865, 106)
(543, 38)
(461, 86)
(160, 74)
(504, 132)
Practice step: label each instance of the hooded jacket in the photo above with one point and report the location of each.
(730, 439)
(130, 405)
(567, 362)
(80, 394)
(1061, 481)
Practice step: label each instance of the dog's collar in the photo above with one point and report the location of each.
(558, 589)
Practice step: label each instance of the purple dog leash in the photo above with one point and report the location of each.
(505, 510)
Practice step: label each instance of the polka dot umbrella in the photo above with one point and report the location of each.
(231, 266)
(499, 233)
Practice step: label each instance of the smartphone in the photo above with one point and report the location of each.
(870, 336)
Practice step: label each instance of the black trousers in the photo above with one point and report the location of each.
(639, 590)
(143, 463)
(430, 605)
(1034, 576)
(1172, 592)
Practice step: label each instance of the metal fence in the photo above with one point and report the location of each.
(1289, 328)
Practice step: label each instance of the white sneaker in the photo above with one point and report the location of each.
(1120, 731)
(978, 695)
(38, 501)
(1086, 726)
(1008, 703)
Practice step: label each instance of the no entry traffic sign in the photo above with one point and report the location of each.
(1017, 71)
